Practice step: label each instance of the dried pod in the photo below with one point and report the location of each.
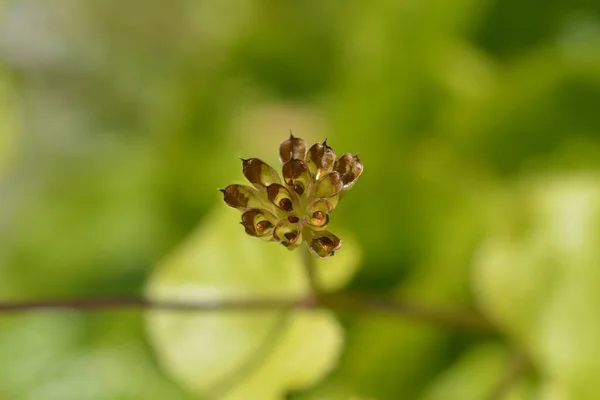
(280, 196)
(325, 245)
(259, 173)
(300, 204)
(292, 148)
(350, 168)
(296, 175)
(320, 159)
(242, 197)
(259, 223)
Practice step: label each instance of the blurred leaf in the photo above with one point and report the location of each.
(243, 354)
(538, 277)
(475, 375)
(7, 124)
(334, 273)
(539, 103)
(307, 349)
(511, 27)
(57, 356)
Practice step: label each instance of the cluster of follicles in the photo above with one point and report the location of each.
(295, 207)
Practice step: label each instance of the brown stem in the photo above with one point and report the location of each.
(441, 316)
(106, 303)
(358, 303)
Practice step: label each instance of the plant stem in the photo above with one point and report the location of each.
(389, 306)
(356, 303)
(107, 303)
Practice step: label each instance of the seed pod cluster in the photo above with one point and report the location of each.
(295, 208)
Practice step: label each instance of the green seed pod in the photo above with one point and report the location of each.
(325, 244)
(288, 234)
(317, 214)
(329, 185)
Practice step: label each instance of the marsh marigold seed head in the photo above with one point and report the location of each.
(294, 208)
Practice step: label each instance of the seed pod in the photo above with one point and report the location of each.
(296, 175)
(288, 234)
(329, 185)
(259, 173)
(242, 197)
(280, 196)
(320, 159)
(259, 223)
(349, 168)
(300, 204)
(318, 214)
(292, 148)
(325, 244)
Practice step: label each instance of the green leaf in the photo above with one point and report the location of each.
(241, 354)
(306, 350)
(538, 276)
(476, 375)
(93, 356)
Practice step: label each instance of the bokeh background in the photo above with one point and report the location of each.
(478, 123)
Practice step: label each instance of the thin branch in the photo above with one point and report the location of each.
(107, 303)
(441, 316)
(356, 303)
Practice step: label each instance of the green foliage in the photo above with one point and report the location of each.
(474, 376)
(537, 276)
(119, 120)
(242, 354)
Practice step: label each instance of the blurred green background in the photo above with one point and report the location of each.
(119, 119)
